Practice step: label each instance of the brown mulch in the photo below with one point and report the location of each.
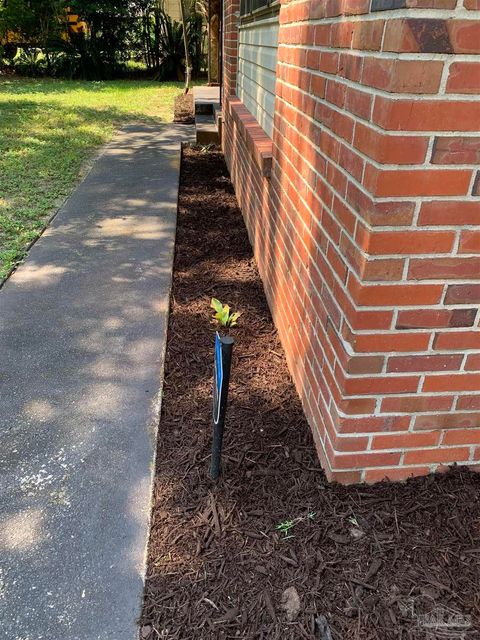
(365, 562)
(183, 109)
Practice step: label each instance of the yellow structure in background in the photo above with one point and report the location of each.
(73, 25)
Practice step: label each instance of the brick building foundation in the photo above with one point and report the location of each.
(363, 209)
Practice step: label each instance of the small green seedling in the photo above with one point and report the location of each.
(286, 526)
(223, 315)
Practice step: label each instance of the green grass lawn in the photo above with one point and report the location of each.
(48, 130)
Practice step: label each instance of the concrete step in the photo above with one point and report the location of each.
(203, 108)
(205, 98)
(217, 114)
(206, 129)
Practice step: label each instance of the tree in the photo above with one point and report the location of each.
(105, 44)
(188, 66)
(38, 23)
(106, 35)
(163, 41)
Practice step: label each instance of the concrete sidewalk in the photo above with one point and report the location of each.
(82, 338)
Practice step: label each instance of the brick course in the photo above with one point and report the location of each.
(364, 214)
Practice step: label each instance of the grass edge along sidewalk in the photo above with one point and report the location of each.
(49, 133)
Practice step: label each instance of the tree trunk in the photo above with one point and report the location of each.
(213, 41)
(188, 66)
(146, 40)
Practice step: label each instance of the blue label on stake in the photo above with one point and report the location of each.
(218, 378)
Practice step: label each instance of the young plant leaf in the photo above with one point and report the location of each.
(223, 315)
(233, 319)
(217, 305)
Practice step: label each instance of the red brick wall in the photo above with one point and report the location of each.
(367, 231)
(231, 9)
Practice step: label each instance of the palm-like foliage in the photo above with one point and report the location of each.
(170, 47)
(170, 43)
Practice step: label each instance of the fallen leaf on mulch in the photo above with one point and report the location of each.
(145, 631)
(290, 603)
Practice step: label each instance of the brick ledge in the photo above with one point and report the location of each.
(257, 141)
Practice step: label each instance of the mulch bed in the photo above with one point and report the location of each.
(366, 562)
(183, 109)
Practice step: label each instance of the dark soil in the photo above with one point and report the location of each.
(366, 562)
(183, 109)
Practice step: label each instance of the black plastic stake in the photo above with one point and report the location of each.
(221, 379)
